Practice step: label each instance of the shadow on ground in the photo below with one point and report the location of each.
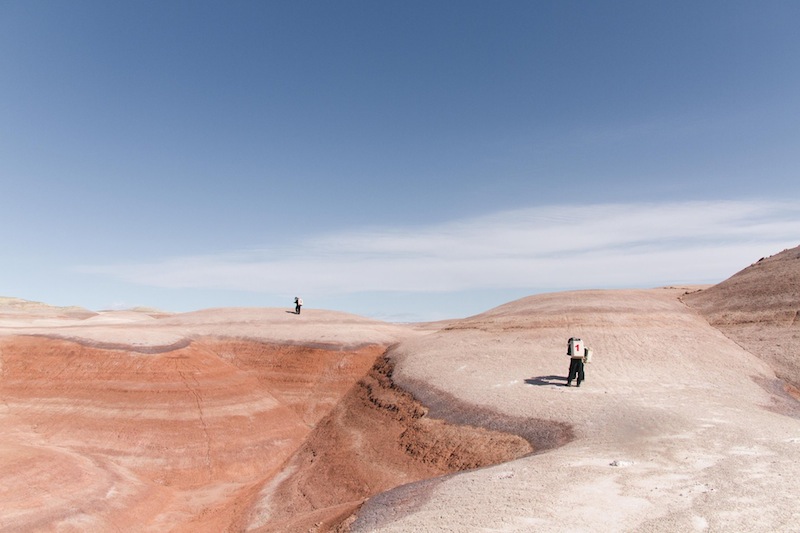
(547, 380)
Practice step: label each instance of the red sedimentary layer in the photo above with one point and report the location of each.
(213, 435)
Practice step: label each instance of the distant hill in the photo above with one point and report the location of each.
(759, 308)
(18, 306)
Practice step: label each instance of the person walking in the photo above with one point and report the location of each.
(298, 303)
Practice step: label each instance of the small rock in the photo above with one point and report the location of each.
(620, 463)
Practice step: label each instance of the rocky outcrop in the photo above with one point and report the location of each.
(376, 438)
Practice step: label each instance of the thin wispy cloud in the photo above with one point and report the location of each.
(553, 247)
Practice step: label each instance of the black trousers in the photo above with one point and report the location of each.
(575, 369)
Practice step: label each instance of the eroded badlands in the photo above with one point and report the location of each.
(262, 420)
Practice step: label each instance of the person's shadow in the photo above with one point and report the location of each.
(546, 380)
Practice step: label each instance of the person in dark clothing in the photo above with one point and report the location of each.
(575, 352)
(575, 369)
(298, 303)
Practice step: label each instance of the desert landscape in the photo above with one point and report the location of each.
(255, 419)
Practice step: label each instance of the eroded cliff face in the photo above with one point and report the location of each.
(213, 434)
(378, 437)
(110, 438)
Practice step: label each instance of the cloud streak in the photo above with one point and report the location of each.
(552, 247)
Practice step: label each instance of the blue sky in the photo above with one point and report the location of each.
(401, 160)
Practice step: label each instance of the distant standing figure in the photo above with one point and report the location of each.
(575, 351)
(298, 303)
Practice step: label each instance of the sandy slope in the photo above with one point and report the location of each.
(674, 426)
(759, 308)
(161, 330)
